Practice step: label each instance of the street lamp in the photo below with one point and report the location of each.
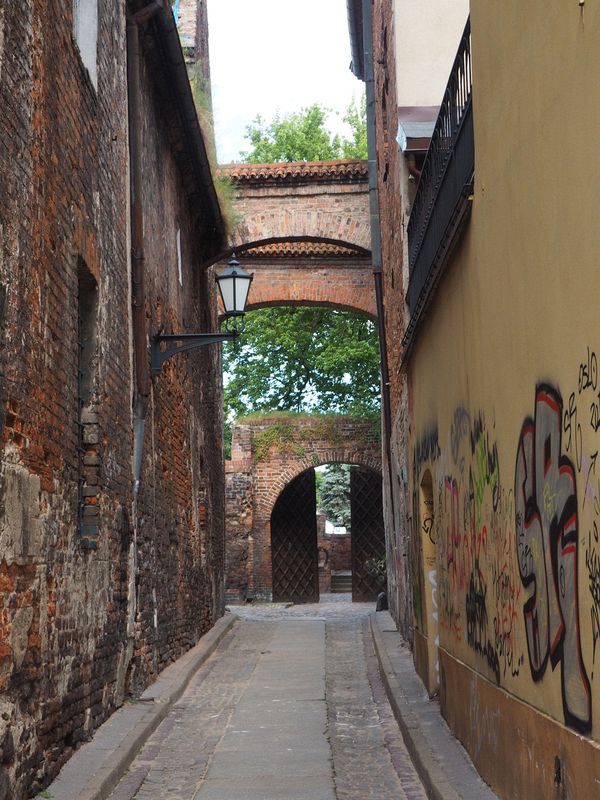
(234, 285)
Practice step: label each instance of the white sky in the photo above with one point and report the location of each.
(276, 55)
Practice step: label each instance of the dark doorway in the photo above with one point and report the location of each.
(368, 535)
(294, 542)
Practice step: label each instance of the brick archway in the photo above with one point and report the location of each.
(266, 503)
(267, 454)
(304, 231)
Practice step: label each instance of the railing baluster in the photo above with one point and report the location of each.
(455, 105)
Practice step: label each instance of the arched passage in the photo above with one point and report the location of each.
(254, 484)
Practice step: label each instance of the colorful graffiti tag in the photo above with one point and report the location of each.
(546, 521)
(427, 450)
(581, 423)
(479, 585)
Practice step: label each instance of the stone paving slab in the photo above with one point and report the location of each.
(284, 707)
(443, 764)
(289, 708)
(311, 788)
(96, 768)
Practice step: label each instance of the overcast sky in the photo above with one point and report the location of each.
(276, 55)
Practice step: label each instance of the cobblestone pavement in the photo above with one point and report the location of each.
(369, 756)
(290, 707)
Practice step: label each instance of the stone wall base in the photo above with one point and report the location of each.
(519, 751)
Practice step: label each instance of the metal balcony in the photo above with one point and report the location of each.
(443, 199)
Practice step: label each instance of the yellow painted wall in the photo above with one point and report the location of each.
(504, 378)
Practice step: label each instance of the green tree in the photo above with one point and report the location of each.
(356, 118)
(303, 359)
(334, 498)
(303, 136)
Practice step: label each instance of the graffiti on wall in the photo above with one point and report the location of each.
(484, 482)
(518, 552)
(478, 584)
(546, 519)
(581, 423)
(454, 566)
(506, 586)
(426, 452)
(592, 565)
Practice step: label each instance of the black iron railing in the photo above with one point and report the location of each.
(446, 181)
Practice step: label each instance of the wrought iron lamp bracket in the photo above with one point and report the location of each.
(189, 341)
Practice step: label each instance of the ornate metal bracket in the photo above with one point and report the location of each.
(190, 341)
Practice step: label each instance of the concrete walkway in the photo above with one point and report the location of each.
(290, 706)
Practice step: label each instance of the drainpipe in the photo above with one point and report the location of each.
(369, 79)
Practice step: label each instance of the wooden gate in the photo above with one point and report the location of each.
(294, 542)
(368, 536)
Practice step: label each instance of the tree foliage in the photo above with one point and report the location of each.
(356, 119)
(303, 136)
(303, 359)
(334, 495)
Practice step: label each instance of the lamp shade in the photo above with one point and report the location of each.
(234, 285)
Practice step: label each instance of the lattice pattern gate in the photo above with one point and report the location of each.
(368, 535)
(294, 542)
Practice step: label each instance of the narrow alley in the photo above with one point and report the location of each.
(291, 706)
(298, 302)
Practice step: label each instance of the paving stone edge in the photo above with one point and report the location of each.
(430, 772)
(158, 700)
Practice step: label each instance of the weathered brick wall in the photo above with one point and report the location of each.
(63, 155)
(65, 643)
(321, 200)
(304, 231)
(335, 553)
(324, 555)
(267, 453)
(192, 24)
(239, 516)
(394, 188)
(341, 551)
(347, 284)
(181, 500)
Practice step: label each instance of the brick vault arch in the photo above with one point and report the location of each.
(334, 456)
(304, 231)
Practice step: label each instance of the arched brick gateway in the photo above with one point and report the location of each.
(304, 231)
(267, 454)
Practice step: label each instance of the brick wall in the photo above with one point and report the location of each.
(180, 538)
(347, 284)
(322, 201)
(193, 32)
(68, 654)
(324, 555)
(341, 551)
(257, 474)
(335, 553)
(394, 188)
(63, 154)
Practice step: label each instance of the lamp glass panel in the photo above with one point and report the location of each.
(241, 294)
(227, 289)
